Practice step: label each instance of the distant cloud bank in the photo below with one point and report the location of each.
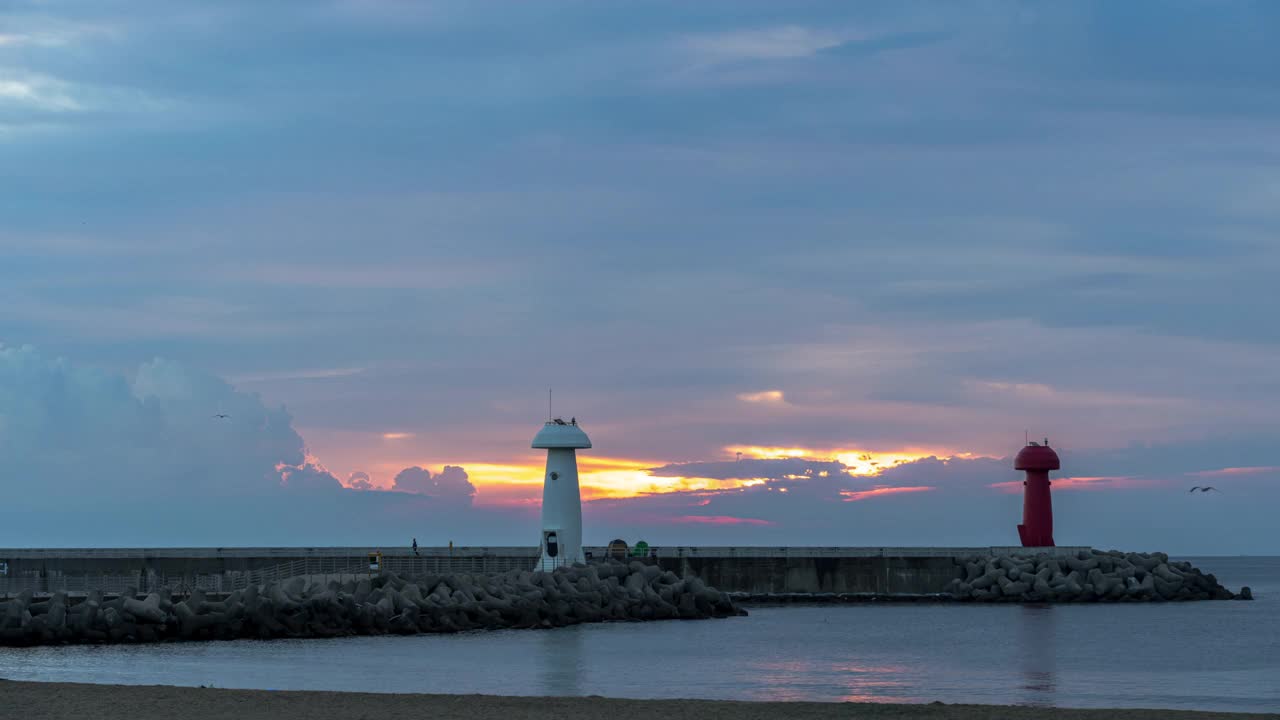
(450, 484)
(91, 457)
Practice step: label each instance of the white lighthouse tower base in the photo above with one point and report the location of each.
(561, 541)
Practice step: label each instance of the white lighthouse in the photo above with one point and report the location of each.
(561, 500)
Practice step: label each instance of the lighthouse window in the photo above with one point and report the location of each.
(555, 475)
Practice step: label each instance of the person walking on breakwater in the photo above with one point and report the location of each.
(415, 547)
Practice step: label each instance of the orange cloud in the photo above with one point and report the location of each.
(858, 461)
(764, 396)
(599, 477)
(856, 495)
(518, 481)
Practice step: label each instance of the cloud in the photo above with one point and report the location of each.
(45, 30)
(957, 501)
(752, 468)
(91, 457)
(450, 484)
(149, 456)
(1043, 393)
(310, 475)
(1085, 483)
(858, 229)
(36, 92)
(719, 520)
(764, 396)
(88, 456)
(856, 495)
(1239, 471)
(772, 43)
(299, 374)
(155, 434)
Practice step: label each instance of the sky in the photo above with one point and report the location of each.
(808, 273)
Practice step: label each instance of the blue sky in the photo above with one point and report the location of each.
(383, 229)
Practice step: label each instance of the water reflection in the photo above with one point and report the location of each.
(1037, 654)
(862, 682)
(836, 681)
(559, 661)
(1223, 657)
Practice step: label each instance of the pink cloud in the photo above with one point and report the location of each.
(1237, 471)
(719, 520)
(360, 480)
(856, 495)
(1102, 482)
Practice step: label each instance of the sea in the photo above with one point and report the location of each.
(1222, 655)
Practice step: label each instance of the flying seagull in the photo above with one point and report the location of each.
(222, 416)
(1204, 489)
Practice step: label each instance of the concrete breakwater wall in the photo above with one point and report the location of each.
(78, 570)
(870, 573)
(879, 570)
(1012, 575)
(382, 604)
(756, 573)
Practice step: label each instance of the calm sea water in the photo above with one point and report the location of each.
(1207, 656)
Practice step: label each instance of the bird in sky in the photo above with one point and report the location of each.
(222, 416)
(1204, 489)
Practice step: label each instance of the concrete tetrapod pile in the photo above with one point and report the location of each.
(378, 605)
(1088, 576)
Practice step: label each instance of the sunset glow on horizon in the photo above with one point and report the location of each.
(519, 481)
(858, 461)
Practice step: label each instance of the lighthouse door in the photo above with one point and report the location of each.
(551, 542)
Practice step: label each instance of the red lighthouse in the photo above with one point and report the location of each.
(1037, 460)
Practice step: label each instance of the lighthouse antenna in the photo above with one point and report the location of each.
(548, 404)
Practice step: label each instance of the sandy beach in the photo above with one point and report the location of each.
(107, 702)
